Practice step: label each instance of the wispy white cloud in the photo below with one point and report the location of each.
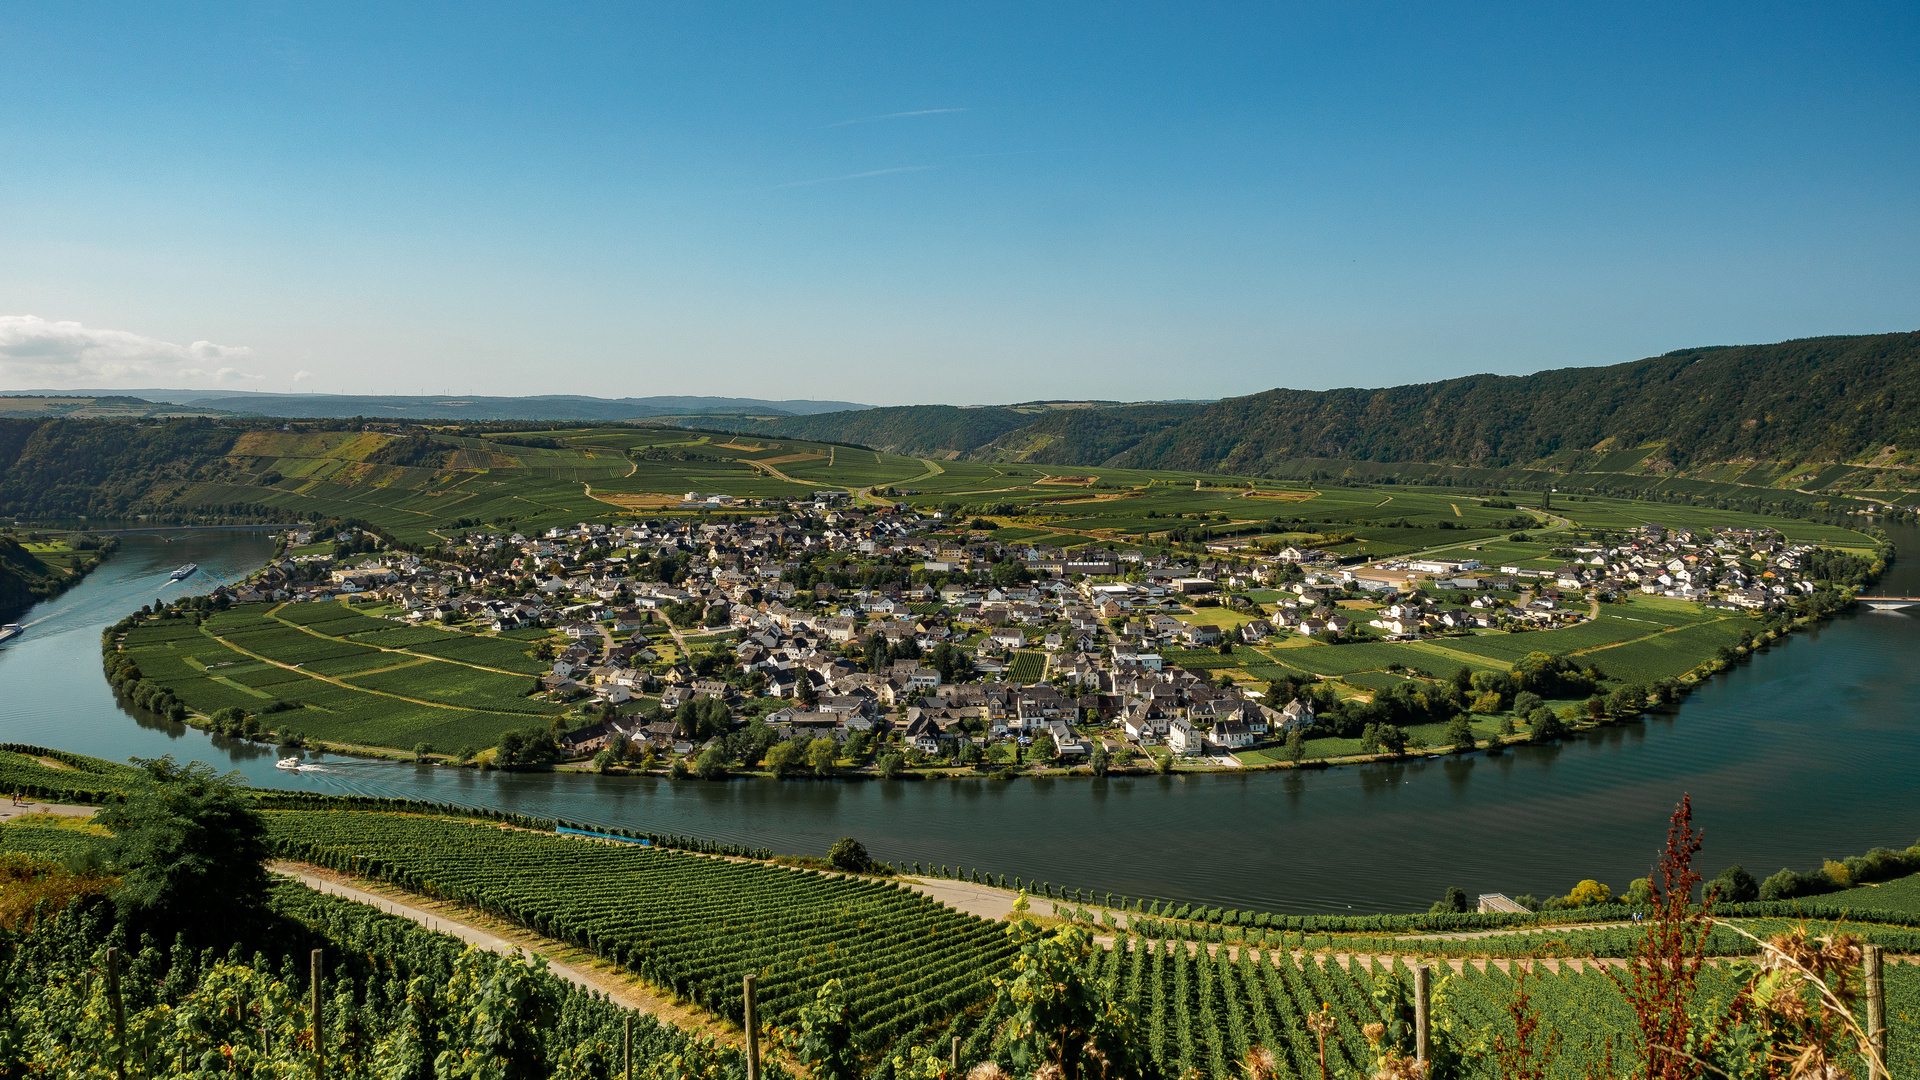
(895, 116)
(852, 176)
(36, 350)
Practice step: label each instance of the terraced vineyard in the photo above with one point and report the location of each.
(1200, 1013)
(353, 679)
(692, 923)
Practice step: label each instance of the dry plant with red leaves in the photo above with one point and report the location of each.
(1665, 971)
(1792, 1020)
(1528, 1055)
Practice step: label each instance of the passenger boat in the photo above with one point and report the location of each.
(291, 764)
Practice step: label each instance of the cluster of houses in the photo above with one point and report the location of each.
(1090, 626)
(1754, 569)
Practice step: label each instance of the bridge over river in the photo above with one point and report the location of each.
(1888, 603)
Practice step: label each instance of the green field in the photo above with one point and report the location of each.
(607, 472)
(1899, 895)
(447, 689)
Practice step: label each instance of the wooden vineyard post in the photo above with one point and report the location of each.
(956, 1055)
(119, 1014)
(752, 1017)
(626, 1049)
(1422, 994)
(319, 1054)
(1876, 982)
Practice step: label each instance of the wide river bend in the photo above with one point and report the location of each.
(1806, 752)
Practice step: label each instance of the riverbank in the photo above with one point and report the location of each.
(37, 566)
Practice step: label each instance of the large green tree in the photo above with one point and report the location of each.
(189, 848)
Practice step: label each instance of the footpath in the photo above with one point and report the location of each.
(28, 808)
(477, 929)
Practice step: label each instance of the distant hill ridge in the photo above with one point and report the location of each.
(1834, 399)
(459, 407)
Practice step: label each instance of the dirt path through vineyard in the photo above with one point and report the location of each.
(477, 928)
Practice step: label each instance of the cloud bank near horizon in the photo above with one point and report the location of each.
(61, 354)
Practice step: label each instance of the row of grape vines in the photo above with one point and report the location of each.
(690, 923)
(1200, 1012)
(396, 1000)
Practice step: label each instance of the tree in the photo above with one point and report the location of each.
(804, 691)
(821, 755)
(1453, 903)
(784, 757)
(892, 765)
(1296, 745)
(189, 850)
(1589, 893)
(1736, 886)
(1460, 734)
(1042, 750)
(1627, 700)
(1099, 760)
(1462, 682)
(421, 751)
(702, 718)
(849, 855)
(1546, 726)
(1393, 739)
(507, 753)
(711, 764)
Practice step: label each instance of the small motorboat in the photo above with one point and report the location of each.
(10, 631)
(291, 764)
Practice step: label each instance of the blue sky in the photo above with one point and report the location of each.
(960, 203)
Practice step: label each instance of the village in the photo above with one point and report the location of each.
(877, 628)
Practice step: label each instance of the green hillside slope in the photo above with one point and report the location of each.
(1832, 399)
(1821, 398)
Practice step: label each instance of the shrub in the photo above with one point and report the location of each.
(850, 855)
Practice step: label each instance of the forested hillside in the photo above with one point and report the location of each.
(1818, 399)
(1821, 398)
(102, 469)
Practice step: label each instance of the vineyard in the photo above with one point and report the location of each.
(1200, 1012)
(689, 923)
(333, 674)
(397, 1000)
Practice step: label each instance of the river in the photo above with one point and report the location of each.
(1806, 752)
